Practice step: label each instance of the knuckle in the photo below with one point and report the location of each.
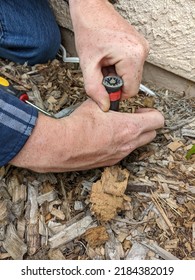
(89, 89)
(147, 47)
(143, 49)
(133, 129)
(160, 119)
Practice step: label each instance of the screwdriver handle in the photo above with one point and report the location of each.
(22, 95)
(113, 85)
(5, 85)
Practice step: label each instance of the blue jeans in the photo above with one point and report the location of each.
(28, 31)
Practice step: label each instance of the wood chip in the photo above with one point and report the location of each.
(55, 254)
(188, 132)
(173, 146)
(73, 231)
(158, 250)
(33, 239)
(57, 213)
(113, 248)
(161, 211)
(2, 232)
(13, 244)
(172, 244)
(4, 256)
(4, 212)
(21, 228)
(49, 196)
(137, 252)
(193, 234)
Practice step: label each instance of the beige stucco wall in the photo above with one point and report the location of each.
(169, 26)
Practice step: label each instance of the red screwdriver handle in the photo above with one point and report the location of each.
(24, 97)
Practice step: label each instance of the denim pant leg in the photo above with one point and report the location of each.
(28, 31)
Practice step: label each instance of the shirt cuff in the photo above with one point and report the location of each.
(17, 120)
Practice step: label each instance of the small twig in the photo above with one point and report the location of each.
(193, 234)
(160, 251)
(37, 97)
(171, 207)
(161, 211)
(131, 222)
(138, 188)
(188, 132)
(177, 126)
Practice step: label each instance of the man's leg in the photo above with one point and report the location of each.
(28, 31)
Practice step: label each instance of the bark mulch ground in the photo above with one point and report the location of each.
(141, 208)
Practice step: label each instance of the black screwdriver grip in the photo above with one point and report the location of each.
(15, 92)
(113, 85)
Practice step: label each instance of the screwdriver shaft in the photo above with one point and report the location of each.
(38, 108)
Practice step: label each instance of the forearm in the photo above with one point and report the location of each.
(89, 10)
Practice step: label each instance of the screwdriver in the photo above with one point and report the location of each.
(113, 85)
(22, 95)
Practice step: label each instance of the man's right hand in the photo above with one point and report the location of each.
(87, 139)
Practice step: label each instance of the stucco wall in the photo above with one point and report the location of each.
(169, 26)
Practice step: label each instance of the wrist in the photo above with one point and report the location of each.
(77, 2)
(88, 5)
(89, 13)
(45, 147)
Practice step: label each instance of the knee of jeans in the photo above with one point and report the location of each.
(44, 50)
(38, 48)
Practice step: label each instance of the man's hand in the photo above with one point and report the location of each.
(88, 138)
(103, 38)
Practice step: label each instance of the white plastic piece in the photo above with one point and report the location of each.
(147, 90)
(68, 59)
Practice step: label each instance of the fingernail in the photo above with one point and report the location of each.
(104, 106)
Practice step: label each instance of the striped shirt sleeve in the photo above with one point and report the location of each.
(17, 121)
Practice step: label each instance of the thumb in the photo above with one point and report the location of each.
(94, 88)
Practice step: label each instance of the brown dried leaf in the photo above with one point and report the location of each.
(96, 236)
(107, 193)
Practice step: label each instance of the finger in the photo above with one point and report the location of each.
(109, 71)
(148, 121)
(142, 140)
(144, 110)
(145, 138)
(131, 75)
(93, 85)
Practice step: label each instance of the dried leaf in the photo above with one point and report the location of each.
(107, 194)
(96, 236)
